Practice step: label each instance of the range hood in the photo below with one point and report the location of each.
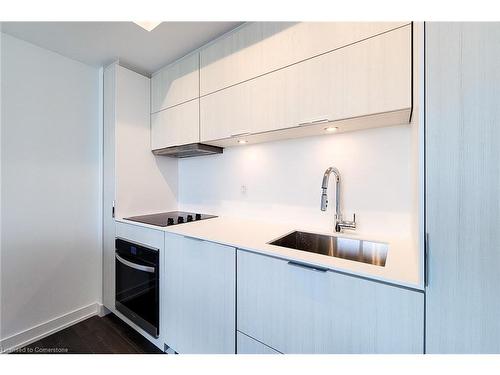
(188, 151)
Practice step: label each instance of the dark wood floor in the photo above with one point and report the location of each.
(107, 335)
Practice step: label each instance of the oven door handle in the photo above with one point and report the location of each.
(135, 266)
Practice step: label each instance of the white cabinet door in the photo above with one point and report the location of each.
(295, 309)
(176, 125)
(247, 345)
(200, 286)
(251, 107)
(258, 48)
(176, 83)
(366, 78)
(462, 134)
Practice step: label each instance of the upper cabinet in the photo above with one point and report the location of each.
(176, 83)
(175, 104)
(273, 80)
(176, 126)
(261, 47)
(362, 79)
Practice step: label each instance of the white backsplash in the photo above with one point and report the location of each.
(281, 181)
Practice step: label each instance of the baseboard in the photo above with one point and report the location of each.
(40, 331)
(103, 311)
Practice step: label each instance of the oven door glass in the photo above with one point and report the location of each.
(137, 285)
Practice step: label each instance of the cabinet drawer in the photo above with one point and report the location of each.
(366, 78)
(300, 310)
(176, 83)
(175, 126)
(247, 345)
(261, 47)
(142, 235)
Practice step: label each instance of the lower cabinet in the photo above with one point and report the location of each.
(247, 345)
(200, 301)
(296, 309)
(281, 306)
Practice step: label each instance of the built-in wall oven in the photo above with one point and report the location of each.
(137, 277)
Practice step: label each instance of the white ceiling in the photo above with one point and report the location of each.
(100, 43)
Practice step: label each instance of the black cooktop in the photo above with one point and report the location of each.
(165, 219)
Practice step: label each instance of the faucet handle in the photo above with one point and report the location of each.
(353, 221)
(347, 224)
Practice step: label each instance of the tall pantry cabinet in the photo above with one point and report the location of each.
(462, 136)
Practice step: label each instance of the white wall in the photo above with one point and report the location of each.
(283, 180)
(145, 183)
(51, 253)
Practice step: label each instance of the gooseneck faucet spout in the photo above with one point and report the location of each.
(324, 187)
(339, 222)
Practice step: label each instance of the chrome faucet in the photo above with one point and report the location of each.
(340, 224)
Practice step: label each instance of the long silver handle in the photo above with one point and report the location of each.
(135, 266)
(308, 267)
(426, 260)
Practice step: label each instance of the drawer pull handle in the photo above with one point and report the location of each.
(314, 122)
(194, 238)
(320, 121)
(307, 267)
(240, 134)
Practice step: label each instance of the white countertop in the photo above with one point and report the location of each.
(402, 267)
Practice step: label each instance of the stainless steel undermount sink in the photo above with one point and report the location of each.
(346, 248)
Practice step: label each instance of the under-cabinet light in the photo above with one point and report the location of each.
(331, 129)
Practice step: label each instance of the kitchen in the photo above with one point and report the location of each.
(253, 188)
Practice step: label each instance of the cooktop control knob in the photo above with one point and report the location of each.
(170, 221)
(189, 218)
(198, 216)
(180, 219)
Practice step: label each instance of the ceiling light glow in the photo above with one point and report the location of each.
(242, 141)
(147, 25)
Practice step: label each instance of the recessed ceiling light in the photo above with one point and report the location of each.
(147, 25)
(242, 141)
(331, 129)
